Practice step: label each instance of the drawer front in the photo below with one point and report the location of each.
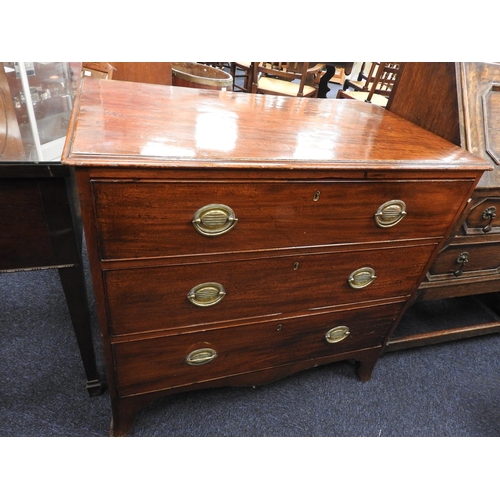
(156, 298)
(163, 363)
(484, 217)
(466, 261)
(154, 219)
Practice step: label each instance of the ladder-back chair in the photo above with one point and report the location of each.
(296, 79)
(380, 88)
(365, 77)
(242, 71)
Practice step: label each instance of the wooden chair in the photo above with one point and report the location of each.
(242, 71)
(364, 79)
(295, 79)
(381, 87)
(101, 70)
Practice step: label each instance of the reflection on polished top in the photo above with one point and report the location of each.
(123, 123)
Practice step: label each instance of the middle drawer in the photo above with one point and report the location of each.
(174, 296)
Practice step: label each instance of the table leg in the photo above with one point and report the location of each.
(73, 283)
(66, 245)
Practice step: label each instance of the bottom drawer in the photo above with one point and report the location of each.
(161, 363)
(466, 260)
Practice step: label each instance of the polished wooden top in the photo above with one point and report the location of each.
(119, 123)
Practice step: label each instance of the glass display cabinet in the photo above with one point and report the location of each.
(39, 209)
(42, 95)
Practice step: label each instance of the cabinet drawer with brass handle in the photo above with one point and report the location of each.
(161, 219)
(174, 296)
(166, 362)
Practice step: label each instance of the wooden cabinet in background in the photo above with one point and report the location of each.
(426, 94)
(460, 102)
(143, 72)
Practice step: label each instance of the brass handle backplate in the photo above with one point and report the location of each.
(201, 356)
(206, 294)
(337, 334)
(214, 220)
(362, 277)
(390, 213)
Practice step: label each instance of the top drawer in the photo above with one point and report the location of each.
(165, 218)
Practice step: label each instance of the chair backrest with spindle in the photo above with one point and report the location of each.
(298, 79)
(385, 78)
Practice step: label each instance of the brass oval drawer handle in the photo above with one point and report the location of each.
(206, 294)
(337, 334)
(362, 277)
(390, 213)
(214, 220)
(201, 356)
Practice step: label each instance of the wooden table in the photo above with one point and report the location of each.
(41, 230)
(41, 225)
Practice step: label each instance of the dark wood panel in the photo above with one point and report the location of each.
(426, 94)
(446, 289)
(478, 84)
(24, 238)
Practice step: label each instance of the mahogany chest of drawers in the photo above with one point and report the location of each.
(238, 238)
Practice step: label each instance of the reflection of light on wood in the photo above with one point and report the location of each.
(316, 145)
(217, 130)
(160, 149)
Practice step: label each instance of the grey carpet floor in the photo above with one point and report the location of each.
(450, 389)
